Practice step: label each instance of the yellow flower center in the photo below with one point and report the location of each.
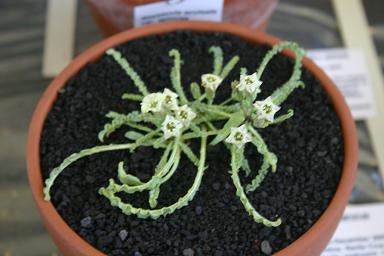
(183, 114)
(248, 81)
(267, 109)
(171, 126)
(168, 99)
(211, 79)
(153, 104)
(239, 136)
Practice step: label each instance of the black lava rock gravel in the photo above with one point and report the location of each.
(309, 148)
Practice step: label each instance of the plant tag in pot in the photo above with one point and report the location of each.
(178, 10)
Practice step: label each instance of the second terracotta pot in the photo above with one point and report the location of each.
(114, 16)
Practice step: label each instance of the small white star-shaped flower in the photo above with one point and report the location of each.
(152, 103)
(170, 99)
(250, 84)
(266, 109)
(239, 136)
(185, 114)
(171, 127)
(210, 81)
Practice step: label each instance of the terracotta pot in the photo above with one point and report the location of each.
(114, 16)
(311, 243)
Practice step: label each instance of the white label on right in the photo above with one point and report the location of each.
(360, 232)
(348, 69)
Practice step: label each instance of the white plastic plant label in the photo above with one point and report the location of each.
(178, 10)
(348, 69)
(360, 233)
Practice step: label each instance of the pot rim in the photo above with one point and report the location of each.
(62, 231)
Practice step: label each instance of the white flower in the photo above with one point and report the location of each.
(171, 127)
(152, 103)
(211, 81)
(266, 109)
(185, 114)
(250, 83)
(239, 136)
(170, 99)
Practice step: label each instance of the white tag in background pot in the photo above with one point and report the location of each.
(178, 10)
(360, 232)
(348, 69)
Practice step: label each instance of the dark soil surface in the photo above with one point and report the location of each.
(309, 148)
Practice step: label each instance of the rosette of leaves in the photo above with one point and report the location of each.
(168, 120)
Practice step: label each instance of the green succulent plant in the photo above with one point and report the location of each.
(168, 121)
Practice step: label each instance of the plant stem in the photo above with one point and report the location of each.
(257, 217)
(139, 127)
(219, 112)
(226, 101)
(76, 156)
(193, 135)
(201, 97)
(176, 75)
(124, 64)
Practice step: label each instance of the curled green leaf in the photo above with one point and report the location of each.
(125, 178)
(129, 209)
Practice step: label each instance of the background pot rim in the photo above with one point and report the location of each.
(58, 228)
